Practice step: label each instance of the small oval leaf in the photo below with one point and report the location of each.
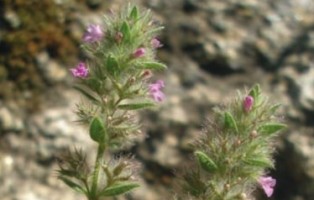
(134, 13)
(118, 188)
(274, 108)
(153, 65)
(87, 94)
(73, 185)
(97, 130)
(136, 106)
(125, 30)
(259, 162)
(205, 162)
(112, 66)
(230, 122)
(271, 128)
(94, 84)
(255, 91)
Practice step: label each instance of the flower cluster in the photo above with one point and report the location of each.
(94, 33)
(232, 155)
(235, 150)
(115, 85)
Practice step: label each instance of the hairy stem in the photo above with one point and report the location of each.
(98, 163)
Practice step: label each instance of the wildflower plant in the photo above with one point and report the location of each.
(115, 81)
(235, 150)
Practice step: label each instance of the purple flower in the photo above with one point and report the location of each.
(94, 33)
(158, 96)
(155, 43)
(154, 90)
(248, 103)
(268, 184)
(139, 52)
(80, 70)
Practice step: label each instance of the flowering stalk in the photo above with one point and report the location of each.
(115, 83)
(235, 150)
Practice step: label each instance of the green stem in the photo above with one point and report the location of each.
(98, 163)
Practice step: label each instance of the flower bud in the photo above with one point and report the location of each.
(147, 74)
(243, 196)
(248, 103)
(140, 52)
(118, 37)
(127, 116)
(132, 80)
(253, 134)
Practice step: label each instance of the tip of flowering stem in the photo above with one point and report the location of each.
(140, 52)
(248, 103)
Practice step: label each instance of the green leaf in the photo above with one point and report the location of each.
(125, 30)
(94, 84)
(118, 188)
(153, 65)
(274, 108)
(112, 66)
(119, 168)
(73, 185)
(135, 106)
(193, 183)
(259, 162)
(271, 128)
(255, 92)
(205, 162)
(230, 122)
(154, 30)
(97, 130)
(134, 13)
(69, 173)
(87, 94)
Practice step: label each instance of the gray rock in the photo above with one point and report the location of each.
(9, 121)
(297, 165)
(52, 71)
(301, 86)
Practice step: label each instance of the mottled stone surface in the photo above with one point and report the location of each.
(212, 48)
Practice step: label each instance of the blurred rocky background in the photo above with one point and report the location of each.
(212, 48)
